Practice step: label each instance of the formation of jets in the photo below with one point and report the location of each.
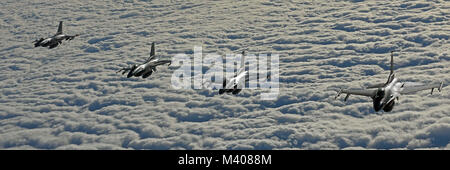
(384, 95)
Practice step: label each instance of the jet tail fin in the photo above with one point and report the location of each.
(60, 28)
(152, 50)
(152, 53)
(242, 68)
(392, 62)
(243, 59)
(391, 74)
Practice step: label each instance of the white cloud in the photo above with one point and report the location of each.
(70, 97)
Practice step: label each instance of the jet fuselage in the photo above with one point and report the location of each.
(143, 70)
(385, 97)
(235, 84)
(50, 41)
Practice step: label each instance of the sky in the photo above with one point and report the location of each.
(70, 97)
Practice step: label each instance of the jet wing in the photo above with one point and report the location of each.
(161, 62)
(408, 89)
(380, 85)
(369, 93)
(71, 37)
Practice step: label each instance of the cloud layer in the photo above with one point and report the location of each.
(71, 98)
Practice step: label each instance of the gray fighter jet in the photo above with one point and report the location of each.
(145, 69)
(385, 94)
(55, 40)
(235, 84)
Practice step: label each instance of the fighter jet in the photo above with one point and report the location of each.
(147, 68)
(385, 95)
(55, 40)
(235, 84)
